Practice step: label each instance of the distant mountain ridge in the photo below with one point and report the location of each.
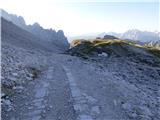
(48, 35)
(137, 35)
(134, 35)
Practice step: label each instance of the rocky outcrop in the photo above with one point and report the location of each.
(49, 35)
(109, 37)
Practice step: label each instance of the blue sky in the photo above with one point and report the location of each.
(77, 17)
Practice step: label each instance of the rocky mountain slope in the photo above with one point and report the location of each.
(26, 59)
(47, 35)
(17, 36)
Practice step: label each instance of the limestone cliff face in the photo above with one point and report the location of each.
(48, 35)
(16, 36)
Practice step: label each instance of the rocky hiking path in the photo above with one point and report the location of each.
(93, 95)
(80, 100)
(46, 98)
(93, 90)
(70, 88)
(66, 91)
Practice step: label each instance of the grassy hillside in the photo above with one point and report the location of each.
(116, 48)
(119, 47)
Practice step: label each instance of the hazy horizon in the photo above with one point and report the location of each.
(79, 17)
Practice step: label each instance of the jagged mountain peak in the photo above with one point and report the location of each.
(138, 35)
(48, 35)
(36, 24)
(18, 20)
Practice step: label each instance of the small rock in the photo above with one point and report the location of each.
(85, 117)
(134, 115)
(29, 108)
(95, 110)
(12, 78)
(50, 106)
(3, 95)
(115, 102)
(126, 106)
(15, 74)
(18, 87)
(103, 54)
(7, 102)
(9, 109)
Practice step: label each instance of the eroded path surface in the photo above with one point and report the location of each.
(93, 92)
(46, 98)
(70, 88)
(65, 88)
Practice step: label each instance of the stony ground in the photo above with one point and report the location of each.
(33, 86)
(124, 90)
(37, 85)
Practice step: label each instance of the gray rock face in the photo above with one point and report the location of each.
(47, 35)
(17, 36)
(18, 20)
